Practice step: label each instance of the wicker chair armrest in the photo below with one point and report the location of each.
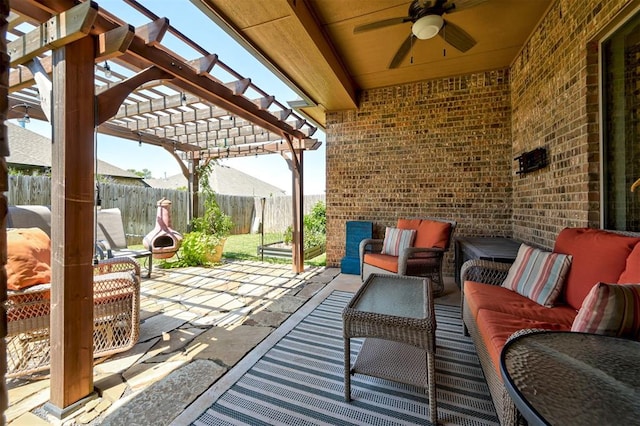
(484, 271)
(435, 253)
(369, 245)
(117, 264)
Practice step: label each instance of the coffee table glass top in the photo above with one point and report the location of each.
(383, 294)
(572, 378)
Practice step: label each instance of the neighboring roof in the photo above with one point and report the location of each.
(224, 180)
(32, 149)
(171, 182)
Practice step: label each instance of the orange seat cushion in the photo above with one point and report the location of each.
(496, 327)
(631, 273)
(478, 296)
(28, 258)
(432, 233)
(598, 256)
(383, 261)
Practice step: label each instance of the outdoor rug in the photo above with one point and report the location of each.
(300, 381)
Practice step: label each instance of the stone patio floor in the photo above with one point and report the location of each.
(196, 323)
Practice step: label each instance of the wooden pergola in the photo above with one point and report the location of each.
(197, 110)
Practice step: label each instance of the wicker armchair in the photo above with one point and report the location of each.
(421, 261)
(116, 312)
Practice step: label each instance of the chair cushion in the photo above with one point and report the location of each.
(28, 258)
(383, 261)
(408, 223)
(597, 256)
(396, 240)
(611, 309)
(433, 233)
(631, 273)
(537, 274)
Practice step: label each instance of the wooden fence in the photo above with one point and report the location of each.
(138, 205)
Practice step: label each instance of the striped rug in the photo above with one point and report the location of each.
(300, 381)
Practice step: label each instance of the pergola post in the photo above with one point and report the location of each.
(4, 188)
(297, 197)
(194, 184)
(72, 227)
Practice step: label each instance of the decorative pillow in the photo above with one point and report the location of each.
(631, 273)
(538, 274)
(28, 258)
(396, 240)
(610, 309)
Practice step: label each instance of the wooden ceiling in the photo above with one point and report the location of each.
(311, 43)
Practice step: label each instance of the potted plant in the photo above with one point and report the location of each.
(212, 228)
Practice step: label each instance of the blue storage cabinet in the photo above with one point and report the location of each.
(356, 232)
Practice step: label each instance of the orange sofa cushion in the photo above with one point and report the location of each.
(500, 299)
(631, 273)
(598, 256)
(384, 261)
(496, 327)
(28, 258)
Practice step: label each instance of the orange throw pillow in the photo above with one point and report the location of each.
(28, 258)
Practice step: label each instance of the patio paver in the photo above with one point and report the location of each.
(196, 323)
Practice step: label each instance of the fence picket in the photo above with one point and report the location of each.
(138, 205)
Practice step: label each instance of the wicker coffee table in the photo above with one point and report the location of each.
(396, 315)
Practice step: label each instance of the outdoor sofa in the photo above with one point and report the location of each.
(500, 299)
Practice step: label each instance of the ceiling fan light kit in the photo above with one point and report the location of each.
(428, 22)
(427, 27)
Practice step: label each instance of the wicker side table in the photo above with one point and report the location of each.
(396, 315)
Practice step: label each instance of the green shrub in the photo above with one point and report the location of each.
(315, 227)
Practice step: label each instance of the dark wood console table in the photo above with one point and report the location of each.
(498, 249)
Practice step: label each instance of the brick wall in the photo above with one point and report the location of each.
(554, 92)
(438, 148)
(446, 147)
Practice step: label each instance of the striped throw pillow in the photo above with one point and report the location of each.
(610, 309)
(396, 240)
(537, 274)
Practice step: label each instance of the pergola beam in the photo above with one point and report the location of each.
(109, 101)
(68, 26)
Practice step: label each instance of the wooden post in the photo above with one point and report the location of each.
(194, 184)
(72, 227)
(298, 211)
(4, 188)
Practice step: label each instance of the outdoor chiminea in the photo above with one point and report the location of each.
(163, 241)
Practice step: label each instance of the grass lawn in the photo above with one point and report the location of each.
(245, 247)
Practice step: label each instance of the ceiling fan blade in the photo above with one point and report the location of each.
(380, 24)
(457, 37)
(464, 4)
(402, 52)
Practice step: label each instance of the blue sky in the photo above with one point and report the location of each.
(188, 19)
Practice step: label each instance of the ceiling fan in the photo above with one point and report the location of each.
(427, 20)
